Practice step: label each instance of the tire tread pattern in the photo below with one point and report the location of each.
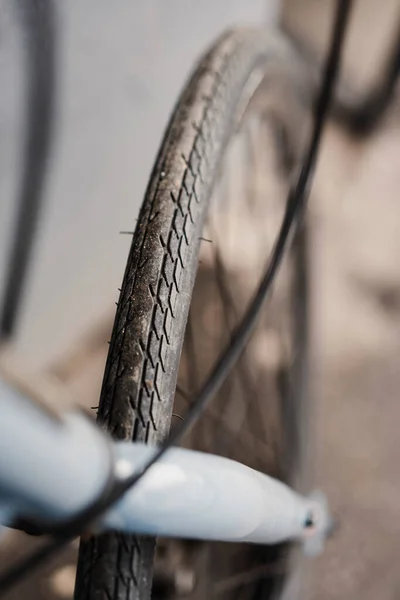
(140, 377)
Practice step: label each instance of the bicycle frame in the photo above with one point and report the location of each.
(57, 467)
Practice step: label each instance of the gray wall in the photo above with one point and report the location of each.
(122, 64)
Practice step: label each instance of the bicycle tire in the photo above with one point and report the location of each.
(142, 366)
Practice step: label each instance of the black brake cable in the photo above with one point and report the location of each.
(295, 205)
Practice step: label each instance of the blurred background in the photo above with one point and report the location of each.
(119, 67)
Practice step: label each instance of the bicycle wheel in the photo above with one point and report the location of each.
(214, 179)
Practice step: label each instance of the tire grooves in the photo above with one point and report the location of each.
(136, 402)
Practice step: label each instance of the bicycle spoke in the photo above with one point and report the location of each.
(261, 450)
(245, 379)
(248, 577)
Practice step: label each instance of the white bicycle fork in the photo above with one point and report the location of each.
(51, 470)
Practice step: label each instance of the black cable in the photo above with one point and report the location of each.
(296, 203)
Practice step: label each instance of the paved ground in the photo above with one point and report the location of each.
(356, 233)
(357, 377)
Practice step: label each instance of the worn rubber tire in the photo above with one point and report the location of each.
(140, 378)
